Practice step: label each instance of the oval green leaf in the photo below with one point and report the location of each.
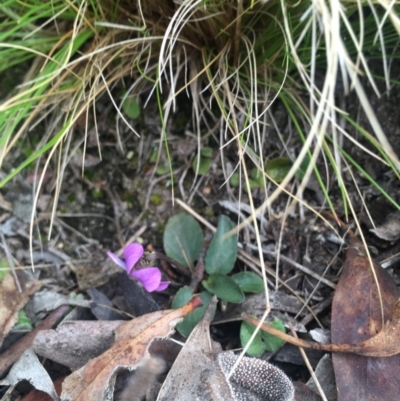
(207, 152)
(204, 165)
(272, 343)
(183, 296)
(162, 169)
(234, 180)
(303, 167)
(249, 282)
(257, 176)
(257, 347)
(131, 108)
(221, 254)
(183, 239)
(224, 288)
(278, 168)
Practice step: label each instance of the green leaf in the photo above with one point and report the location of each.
(221, 254)
(272, 343)
(257, 177)
(183, 239)
(303, 167)
(23, 322)
(207, 152)
(204, 165)
(182, 297)
(278, 168)
(162, 169)
(257, 347)
(75, 296)
(234, 180)
(224, 288)
(4, 268)
(253, 185)
(249, 282)
(153, 156)
(131, 108)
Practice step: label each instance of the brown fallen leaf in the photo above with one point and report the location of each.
(28, 368)
(12, 300)
(304, 393)
(387, 342)
(36, 395)
(95, 381)
(12, 354)
(356, 317)
(187, 379)
(74, 343)
(390, 229)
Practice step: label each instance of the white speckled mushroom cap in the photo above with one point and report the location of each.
(255, 379)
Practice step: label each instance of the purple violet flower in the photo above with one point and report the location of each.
(150, 277)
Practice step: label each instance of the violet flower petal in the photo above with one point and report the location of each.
(163, 285)
(132, 254)
(150, 277)
(116, 259)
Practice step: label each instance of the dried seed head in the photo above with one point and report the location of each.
(265, 381)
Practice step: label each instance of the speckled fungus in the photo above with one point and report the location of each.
(262, 380)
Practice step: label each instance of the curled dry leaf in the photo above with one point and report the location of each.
(12, 300)
(37, 395)
(185, 380)
(387, 342)
(8, 357)
(29, 368)
(357, 309)
(326, 378)
(390, 229)
(95, 381)
(74, 343)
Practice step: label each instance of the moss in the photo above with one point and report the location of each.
(156, 200)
